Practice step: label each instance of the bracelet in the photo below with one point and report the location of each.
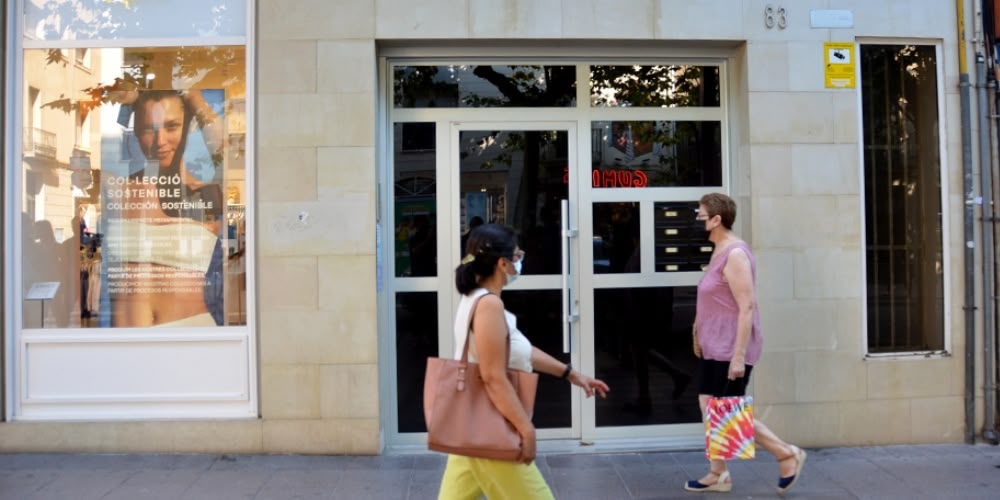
(569, 368)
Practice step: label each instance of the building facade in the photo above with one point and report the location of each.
(232, 226)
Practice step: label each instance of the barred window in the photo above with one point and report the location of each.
(902, 195)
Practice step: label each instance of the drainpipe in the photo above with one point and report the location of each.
(970, 242)
(986, 183)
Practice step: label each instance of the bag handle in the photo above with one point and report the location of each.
(468, 330)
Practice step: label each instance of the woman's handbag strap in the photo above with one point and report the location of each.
(468, 331)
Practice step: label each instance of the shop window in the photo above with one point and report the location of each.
(662, 86)
(484, 86)
(902, 198)
(134, 188)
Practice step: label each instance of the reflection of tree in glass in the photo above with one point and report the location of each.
(178, 68)
(654, 86)
(80, 20)
(420, 84)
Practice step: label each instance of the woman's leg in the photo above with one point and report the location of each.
(784, 452)
(469, 478)
(459, 482)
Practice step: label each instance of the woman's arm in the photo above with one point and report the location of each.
(543, 362)
(491, 346)
(740, 277)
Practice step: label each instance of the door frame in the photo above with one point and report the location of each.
(726, 57)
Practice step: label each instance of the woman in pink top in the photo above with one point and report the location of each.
(728, 338)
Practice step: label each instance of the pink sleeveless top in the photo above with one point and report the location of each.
(718, 313)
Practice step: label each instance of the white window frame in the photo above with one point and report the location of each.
(176, 406)
(945, 206)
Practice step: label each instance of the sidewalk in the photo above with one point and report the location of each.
(923, 471)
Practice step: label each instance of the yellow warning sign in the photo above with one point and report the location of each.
(839, 60)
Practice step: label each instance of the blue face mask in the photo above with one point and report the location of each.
(517, 268)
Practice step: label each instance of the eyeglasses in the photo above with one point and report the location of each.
(703, 217)
(518, 255)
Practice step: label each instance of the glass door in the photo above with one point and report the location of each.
(520, 175)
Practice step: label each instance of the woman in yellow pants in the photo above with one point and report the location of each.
(493, 260)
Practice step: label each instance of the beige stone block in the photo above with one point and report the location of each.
(345, 168)
(315, 19)
(771, 169)
(870, 18)
(825, 169)
(286, 67)
(806, 425)
(812, 325)
(286, 174)
(704, 19)
(229, 436)
(349, 391)
(775, 278)
(807, 222)
(897, 378)
(289, 391)
(515, 18)
(771, 376)
(926, 19)
(351, 120)
(292, 120)
(767, 64)
(289, 283)
(346, 66)
(421, 20)
(336, 226)
(846, 113)
(347, 284)
(293, 337)
(353, 338)
(316, 120)
(822, 376)
(805, 67)
(328, 437)
(796, 21)
(791, 117)
(938, 420)
(831, 273)
(866, 423)
(611, 19)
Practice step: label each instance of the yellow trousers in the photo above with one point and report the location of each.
(467, 478)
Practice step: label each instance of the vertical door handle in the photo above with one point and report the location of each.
(569, 312)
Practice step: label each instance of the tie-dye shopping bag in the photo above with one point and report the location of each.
(729, 428)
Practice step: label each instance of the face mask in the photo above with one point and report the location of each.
(517, 268)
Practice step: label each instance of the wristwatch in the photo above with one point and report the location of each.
(569, 368)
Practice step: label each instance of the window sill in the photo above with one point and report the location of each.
(907, 355)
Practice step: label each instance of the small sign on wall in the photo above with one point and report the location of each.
(839, 60)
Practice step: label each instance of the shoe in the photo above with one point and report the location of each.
(723, 484)
(786, 483)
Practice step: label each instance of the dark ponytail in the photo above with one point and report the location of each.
(486, 245)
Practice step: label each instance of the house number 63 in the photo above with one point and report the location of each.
(774, 16)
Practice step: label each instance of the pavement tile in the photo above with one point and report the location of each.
(81, 485)
(228, 485)
(24, 483)
(153, 484)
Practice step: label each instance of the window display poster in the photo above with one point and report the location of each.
(162, 210)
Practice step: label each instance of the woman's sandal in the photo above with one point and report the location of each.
(786, 483)
(722, 484)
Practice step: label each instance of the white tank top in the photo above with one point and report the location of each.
(520, 347)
